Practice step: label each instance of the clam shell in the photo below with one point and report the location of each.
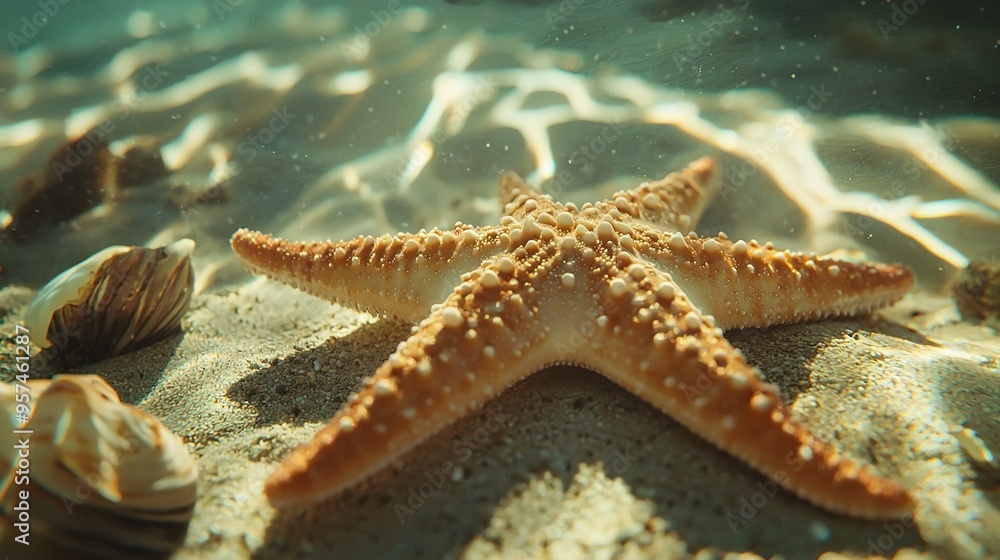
(106, 479)
(118, 300)
(977, 291)
(74, 180)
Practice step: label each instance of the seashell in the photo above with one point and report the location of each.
(973, 445)
(977, 291)
(74, 181)
(81, 174)
(118, 300)
(140, 165)
(104, 479)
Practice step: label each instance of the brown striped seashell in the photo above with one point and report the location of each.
(118, 300)
(80, 175)
(977, 292)
(74, 180)
(103, 479)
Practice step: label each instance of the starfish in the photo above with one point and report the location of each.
(613, 287)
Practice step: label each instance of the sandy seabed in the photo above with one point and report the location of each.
(410, 132)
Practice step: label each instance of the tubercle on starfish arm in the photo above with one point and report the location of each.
(594, 286)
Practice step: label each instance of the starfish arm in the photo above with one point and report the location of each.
(401, 275)
(519, 199)
(657, 345)
(747, 285)
(674, 203)
(469, 349)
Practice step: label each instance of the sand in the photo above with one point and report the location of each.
(566, 464)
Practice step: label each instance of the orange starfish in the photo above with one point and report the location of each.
(611, 287)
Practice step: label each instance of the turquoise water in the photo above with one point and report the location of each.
(868, 127)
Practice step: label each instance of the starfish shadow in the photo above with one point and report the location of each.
(783, 352)
(344, 362)
(135, 374)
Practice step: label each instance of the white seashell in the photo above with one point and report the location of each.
(65, 290)
(118, 300)
(105, 478)
(973, 445)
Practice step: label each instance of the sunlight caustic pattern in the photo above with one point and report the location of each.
(361, 71)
